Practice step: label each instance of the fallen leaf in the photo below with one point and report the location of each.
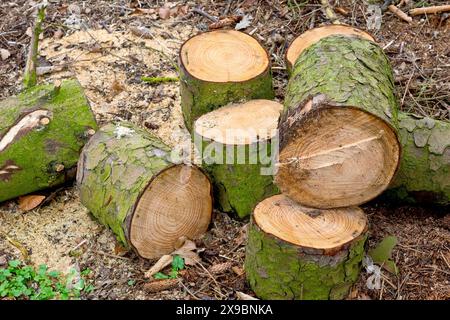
(120, 250)
(29, 202)
(244, 23)
(138, 11)
(382, 254)
(163, 262)
(243, 296)
(187, 252)
(116, 87)
(225, 22)
(142, 32)
(239, 271)
(4, 54)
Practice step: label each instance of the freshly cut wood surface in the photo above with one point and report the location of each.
(306, 227)
(312, 36)
(224, 56)
(240, 123)
(176, 203)
(340, 156)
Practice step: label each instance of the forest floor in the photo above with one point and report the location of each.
(97, 42)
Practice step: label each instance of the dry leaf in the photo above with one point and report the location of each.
(243, 296)
(239, 271)
(27, 203)
(4, 54)
(142, 32)
(163, 262)
(245, 22)
(120, 250)
(225, 22)
(116, 87)
(138, 11)
(187, 252)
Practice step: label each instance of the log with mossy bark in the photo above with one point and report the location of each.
(424, 172)
(128, 181)
(338, 131)
(220, 67)
(42, 131)
(299, 253)
(236, 145)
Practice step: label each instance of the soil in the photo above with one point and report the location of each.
(94, 42)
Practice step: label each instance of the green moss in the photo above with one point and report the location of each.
(348, 71)
(199, 97)
(59, 142)
(115, 171)
(278, 270)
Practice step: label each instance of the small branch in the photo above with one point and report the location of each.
(206, 15)
(429, 10)
(329, 12)
(30, 77)
(399, 13)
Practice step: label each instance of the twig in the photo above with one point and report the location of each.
(399, 13)
(429, 10)
(30, 77)
(206, 15)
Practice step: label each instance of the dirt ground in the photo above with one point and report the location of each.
(94, 42)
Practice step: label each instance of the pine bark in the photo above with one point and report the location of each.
(42, 131)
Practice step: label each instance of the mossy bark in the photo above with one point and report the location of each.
(199, 97)
(42, 131)
(340, 71)
(278, 270)
(115, 167)
(424, 172)
(241, 174)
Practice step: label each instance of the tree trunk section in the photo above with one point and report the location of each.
(42, 131)
(424, 172)
(128, 182)
(235, 143)
(338, 130)
(220, 67)
(298, 253)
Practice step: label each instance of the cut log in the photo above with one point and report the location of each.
(42, 131)
(127, 181)
(235, 143)
(220, 67)
(294, 252)
(424, 172)
(338, 130)
(305, 40)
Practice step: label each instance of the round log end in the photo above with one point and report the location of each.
(224, 56)
(313, 230)
(176, 203)
(312, 36)
(338, 156)
(240, 123)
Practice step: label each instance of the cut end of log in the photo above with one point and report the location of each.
(338, 157)
(312, 36)
(324, 230)
(224, 56)
(240, 123)
(176, 203)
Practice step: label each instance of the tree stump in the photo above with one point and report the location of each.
(127, 181)
(294, 252)
(338, 131)
(424, 172)
(42, 131)
(306, 39)
(235, 143)
(220, 67)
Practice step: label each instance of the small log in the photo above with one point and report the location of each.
(338, 131)
(220, 67)
(424, 172)
(42, 131)
(127, 180)
(294, 252)
(310, 37)
(235, 143)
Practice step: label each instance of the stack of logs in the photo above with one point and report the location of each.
(299, 169)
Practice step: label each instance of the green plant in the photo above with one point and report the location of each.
(177, 265)
(22, 281)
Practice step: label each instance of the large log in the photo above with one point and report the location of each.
(42, 131)
(235, 143)
(127, 180)
(338, 132)
(294, 252)
(220, 67)
(424, 173)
